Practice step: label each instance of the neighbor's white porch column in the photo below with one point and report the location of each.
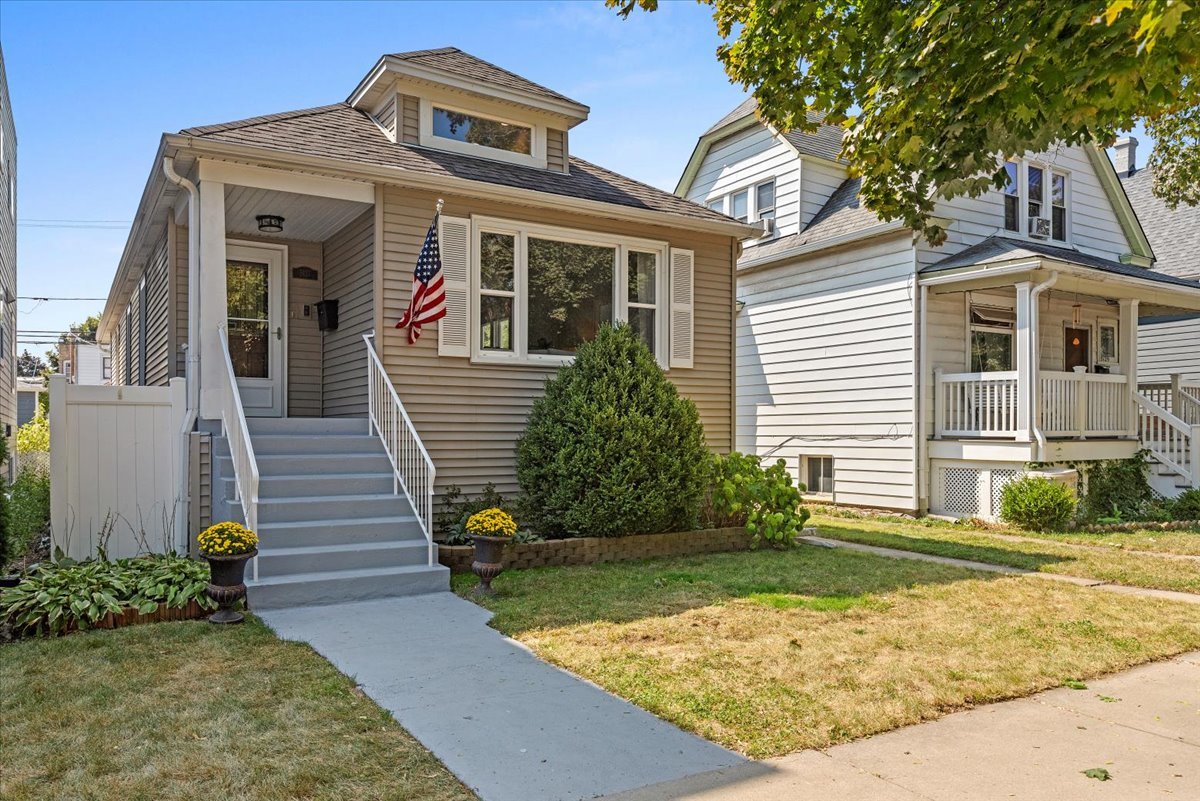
(1026, 361)
(1127, 346)
(213, 308)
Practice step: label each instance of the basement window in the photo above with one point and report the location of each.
(818, 475)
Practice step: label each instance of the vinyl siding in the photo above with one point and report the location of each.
(1092, 228)
(179, 299)
(1165, 348)
(748, 158)
(556, 150)
(135, 337)
(470, 415)
(825, 365)
(349, 278)
(387, 117)
(409, 121)
(159, 364)
(818, 180)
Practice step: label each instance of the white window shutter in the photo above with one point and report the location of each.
(682, 313)
(454, 240)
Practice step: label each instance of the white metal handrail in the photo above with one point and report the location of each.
(241, 450)
(1169, 440)
(413, 469)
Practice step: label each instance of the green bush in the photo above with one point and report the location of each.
(1116, 490)
(1186, 506)
(1035, 503)
(29, 510)
(6, 549)
(59, 596)
(742, 493)
(611, 448)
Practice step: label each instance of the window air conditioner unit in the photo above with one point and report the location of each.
(1039, 227)
(768, 228)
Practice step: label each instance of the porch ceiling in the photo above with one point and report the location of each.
(306, 217)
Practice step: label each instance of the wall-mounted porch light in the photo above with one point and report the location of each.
(738, 305)
(269, 223)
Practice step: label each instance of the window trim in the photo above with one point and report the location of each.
(723, 202)
(774, 200)
(1049, 170)
(621, 245)
(805, 461)
(426, 137)
(1115, 325)
(973, 327)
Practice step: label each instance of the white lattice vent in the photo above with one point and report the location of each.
(962, 491)
(1001, 478)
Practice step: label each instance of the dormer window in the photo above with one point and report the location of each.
(473, 129)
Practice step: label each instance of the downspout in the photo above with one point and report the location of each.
(191, 347)
(1036, 324)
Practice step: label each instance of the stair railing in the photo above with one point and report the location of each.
(241, 450)
(412, 468)
(1169, 440)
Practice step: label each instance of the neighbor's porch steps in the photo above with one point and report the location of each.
(331, 528)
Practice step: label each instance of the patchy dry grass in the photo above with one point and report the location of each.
(185, 711)
(1046, 555)
(1181, 543)
(770, 652)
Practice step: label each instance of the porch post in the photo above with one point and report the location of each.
(1025, 357)
(1176, 388)
(213, 308)
(1128, 347)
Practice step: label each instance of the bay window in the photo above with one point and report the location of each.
(542, 292)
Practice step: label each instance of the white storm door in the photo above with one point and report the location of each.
(254, 294)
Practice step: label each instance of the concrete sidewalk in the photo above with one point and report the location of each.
(1142, 726)
(510, 726)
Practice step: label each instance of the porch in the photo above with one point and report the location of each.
(1033, 357)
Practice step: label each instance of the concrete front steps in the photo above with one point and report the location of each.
(331, 528)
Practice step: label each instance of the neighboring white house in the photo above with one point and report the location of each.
(85, 363)
(892, 374)
(1168, 344)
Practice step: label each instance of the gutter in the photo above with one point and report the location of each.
(398, 176)
(1037, 368)
(192, 347)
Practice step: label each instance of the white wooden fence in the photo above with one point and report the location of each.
(115, 465)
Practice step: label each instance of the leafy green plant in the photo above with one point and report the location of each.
(457, 510)
(29, 510)
(34, 436)
(1116, 490)
(5, 514)
(1037, 504)
(60, 596)
(1186, 506)
(611, 448)
(765, 501)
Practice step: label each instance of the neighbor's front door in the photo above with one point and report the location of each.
(1078, 347)
(254, 292)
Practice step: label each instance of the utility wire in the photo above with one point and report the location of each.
(44, 299)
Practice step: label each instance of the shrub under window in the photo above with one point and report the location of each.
(1037, 504)
(611, 448)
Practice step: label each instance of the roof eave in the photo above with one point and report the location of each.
(1131, 226)
(702, 147)
(820, 245)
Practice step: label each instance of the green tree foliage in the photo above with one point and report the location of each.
(1118, 488)
(30, 366)
(932, 92)
(611, 448)
(742, 492)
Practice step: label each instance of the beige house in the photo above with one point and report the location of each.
(272, 257)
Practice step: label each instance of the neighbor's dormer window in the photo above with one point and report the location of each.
(739, 206)
(462, 127)
(764, 201)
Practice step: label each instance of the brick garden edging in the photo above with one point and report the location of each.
(132, 617)
(594, 550)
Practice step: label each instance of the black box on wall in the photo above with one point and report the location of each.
(327, 315)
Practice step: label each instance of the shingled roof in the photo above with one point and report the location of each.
(1000, 249)
(825, 142)
(1174, 234)
(342, 132)
(456, 62)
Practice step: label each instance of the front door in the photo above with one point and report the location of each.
(1078, 347)
(254, 292)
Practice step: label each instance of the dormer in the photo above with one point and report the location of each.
(449, 100)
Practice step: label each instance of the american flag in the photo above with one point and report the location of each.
(428, 296)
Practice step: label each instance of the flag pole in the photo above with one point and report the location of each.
(440, 203)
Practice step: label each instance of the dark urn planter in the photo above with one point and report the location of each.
(226, 585)
(489, 561)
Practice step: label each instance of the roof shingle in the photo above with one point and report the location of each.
(1174, 234)
(456, 62)
(344, 133)
(825, 142)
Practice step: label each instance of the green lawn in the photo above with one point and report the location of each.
(188, 711)
(1182, 543)
(769, 652)
(1049, 553)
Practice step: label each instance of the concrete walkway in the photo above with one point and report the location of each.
(896, 553)
(510, 726)
(1142, 726)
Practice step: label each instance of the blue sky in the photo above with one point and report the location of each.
(94, 85)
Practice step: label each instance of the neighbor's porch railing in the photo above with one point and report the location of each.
(413, 469)
(241, 450)
(1169, 439)
(1072, 405)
